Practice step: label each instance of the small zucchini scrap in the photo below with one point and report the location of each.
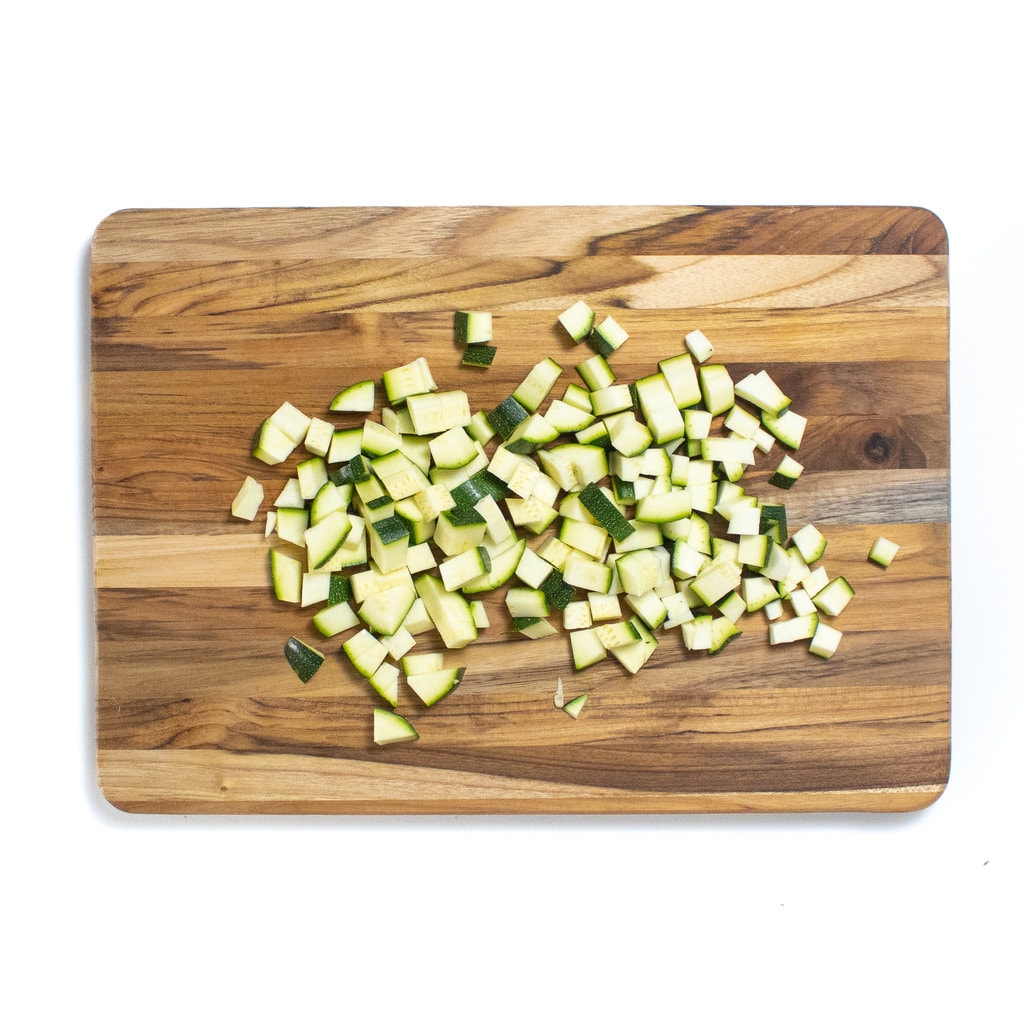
(575, 706)
(571, 707)
(304, 660)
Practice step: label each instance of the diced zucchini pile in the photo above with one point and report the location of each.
(611, 512)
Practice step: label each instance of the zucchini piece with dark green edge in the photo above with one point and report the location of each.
(271, 444)
(402, 382)
(716, 388)
(787, 472)
(595, 372)
(760, 390)
(458, 529)
(536, 627)
(479, 355)
(659, 408)
(587, 648)
(355, 471)
(304, 660)
(432, 687)
(534, 432)
(323, 540)
(624, 490)
(883, 551)
(810, 542)
(385, 610)
(478, 486)
(506, 416)
(607, 336)
(622, 633)
(834, 596)
(723, 632)
(607, 514)
(389, 727)
(340, 589)
(559, 593)
(773, 522)
(503, 567)
(460, 569)
(575, 706)
(578, 320)
(634, 656)
(526, 602)
(389, 542)
(537, 384)
(286, 574)
(358, 397)
(788, 427)
(365, 652)
(335, 618)
(473, 327)
(449, 611)
(596, 434)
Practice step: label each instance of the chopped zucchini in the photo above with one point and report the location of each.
(432, 687)
(413, 378)
(449, 611)
(607, 336)
(606, 512)
(788, 426)
(537, 384)
(787, 472)
(832, 598)
(883, 551)
(358, 397)
(716, 388)
(760, 390)
(389, 727)
(575, 706)
(578, 320)
(473, 327)
(286, 574)
(478, 355)
(304, 660)
(698, 345)
(248, 499)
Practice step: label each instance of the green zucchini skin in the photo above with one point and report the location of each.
(304, 660)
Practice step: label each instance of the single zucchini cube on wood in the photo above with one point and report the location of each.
(578, 320)
(479, 355)
(607, 336)
(389, 727)
(473, 327)
(698, 345)
(304, 660)
(883, 551)
(248, 499)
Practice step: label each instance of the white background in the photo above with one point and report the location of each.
(819, 918)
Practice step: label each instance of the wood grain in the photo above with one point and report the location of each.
(204, 321)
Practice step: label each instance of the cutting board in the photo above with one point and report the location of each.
(205, 321)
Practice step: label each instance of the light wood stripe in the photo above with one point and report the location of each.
(216, 782)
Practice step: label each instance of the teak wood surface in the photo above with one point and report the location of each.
(205, 321)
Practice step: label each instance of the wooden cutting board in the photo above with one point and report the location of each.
(204, 321)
